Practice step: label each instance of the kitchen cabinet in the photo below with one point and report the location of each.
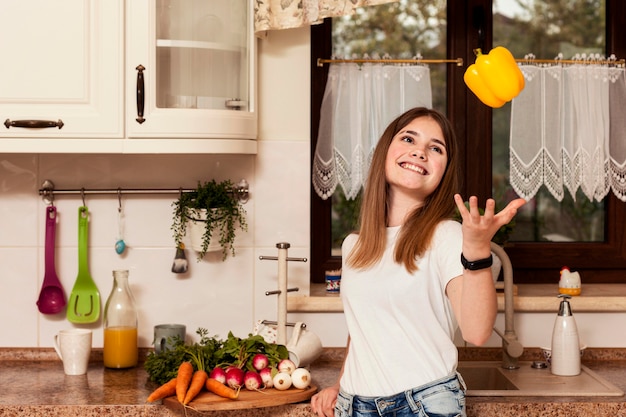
(61, 68)
(197, 64)
(141, 76)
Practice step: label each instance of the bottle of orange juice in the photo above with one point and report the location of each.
(120, 325)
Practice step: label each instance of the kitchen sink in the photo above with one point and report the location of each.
(489, 379)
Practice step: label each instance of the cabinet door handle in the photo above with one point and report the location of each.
(33, 124)
(141, 98)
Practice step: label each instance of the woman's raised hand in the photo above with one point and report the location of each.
(477, 228)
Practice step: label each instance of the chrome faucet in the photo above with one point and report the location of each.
(512, 349)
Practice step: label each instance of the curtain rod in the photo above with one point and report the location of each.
(459, 61)
(615, 62)
(47, 191)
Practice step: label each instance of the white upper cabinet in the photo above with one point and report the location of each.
(141, 76)
(62, 69)
(189, 71)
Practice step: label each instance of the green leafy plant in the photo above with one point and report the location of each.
(211, 352)
(224, 213)
(239, 352)
(163, 366)
(503, 233)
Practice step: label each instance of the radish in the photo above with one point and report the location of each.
(218, 374)
(260, 361)
(235, 377)
(282, 381)
(266, 376)
(300, 378)
(252, 381)
(287, 366)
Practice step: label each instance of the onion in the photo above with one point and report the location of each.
(301, 378)
(282, 381)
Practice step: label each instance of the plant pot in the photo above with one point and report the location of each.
(197, 226)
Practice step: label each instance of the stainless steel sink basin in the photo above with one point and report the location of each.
(489, 379)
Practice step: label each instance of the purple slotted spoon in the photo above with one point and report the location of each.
(51, 297)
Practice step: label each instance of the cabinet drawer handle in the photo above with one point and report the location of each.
(140, 94)
(33, 124)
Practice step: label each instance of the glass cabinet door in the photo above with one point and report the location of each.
(190, 71)
(202, 54)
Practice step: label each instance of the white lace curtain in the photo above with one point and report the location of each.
(358, 104)
(287, 14)
(568, 131)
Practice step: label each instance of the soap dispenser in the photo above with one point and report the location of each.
(565, 359)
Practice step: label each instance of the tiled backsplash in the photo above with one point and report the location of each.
(219, 296)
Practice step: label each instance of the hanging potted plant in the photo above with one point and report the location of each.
(212, 212)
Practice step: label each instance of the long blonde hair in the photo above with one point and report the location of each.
(416, 233)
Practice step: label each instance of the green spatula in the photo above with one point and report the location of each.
(84, 302)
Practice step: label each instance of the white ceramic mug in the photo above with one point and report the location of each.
(74, 348)
(304, 346)
(164, 335)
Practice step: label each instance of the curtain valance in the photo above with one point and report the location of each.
(568, 131)
(288, 14)
(358, 104)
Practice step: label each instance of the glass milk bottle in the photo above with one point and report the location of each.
(120, 325)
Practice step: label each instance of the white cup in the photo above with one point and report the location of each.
(304, 346)
(74, 348)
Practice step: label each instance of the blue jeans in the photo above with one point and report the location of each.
(441, 398)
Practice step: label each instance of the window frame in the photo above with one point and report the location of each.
(470, 25)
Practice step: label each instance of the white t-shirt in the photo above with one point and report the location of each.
(401, 325)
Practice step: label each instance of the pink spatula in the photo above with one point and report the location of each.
(51, 297)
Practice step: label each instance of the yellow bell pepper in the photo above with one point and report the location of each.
(495, 78)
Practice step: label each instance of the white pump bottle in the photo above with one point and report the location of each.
(565, 359)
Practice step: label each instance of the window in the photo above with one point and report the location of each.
(548, 28)
(601, 255)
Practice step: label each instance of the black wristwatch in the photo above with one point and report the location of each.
(476, 265)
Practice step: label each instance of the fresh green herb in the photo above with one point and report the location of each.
(239, 352)
(163, 366)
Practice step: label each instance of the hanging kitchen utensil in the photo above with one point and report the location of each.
(120, 245)
(180, 264)
(84, 303)
(51, 297)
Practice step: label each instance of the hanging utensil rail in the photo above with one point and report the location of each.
(47, 191)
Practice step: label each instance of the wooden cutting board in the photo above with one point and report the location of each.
(270, 397)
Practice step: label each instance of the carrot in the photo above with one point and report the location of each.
(216, 387)
(183, 379)
(166, 390)
(196, 385)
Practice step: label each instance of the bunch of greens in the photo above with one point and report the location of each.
(163, 366)
(211, 352)
(240, 352)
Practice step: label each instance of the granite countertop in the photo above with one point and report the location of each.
(33, 384)
(528, 298)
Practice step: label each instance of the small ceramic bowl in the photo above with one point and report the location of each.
(547, 352)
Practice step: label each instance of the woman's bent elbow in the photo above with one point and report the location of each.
(478, 338)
